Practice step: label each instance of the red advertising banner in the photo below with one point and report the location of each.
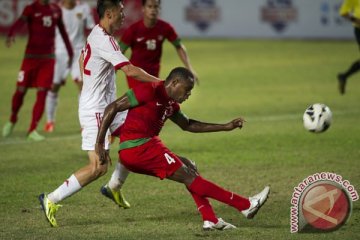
(10, 10)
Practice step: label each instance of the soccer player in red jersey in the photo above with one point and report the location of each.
(146, 38)
(141, 150)
(37, 67)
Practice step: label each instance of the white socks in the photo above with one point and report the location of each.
(68, 188)
(72, 185)
(118, 177)
(51, 105)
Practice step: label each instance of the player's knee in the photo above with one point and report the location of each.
(189, 178)
(98, 170)
(55, 88)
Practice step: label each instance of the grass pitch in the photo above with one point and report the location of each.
(270, 83)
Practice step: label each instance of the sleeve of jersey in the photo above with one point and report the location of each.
(27, 11)
(20, 22)
(141, 94)
(110, 51)
(178, 114)
(172, 36)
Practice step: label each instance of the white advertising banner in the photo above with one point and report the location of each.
(257, 18)
(231, 18)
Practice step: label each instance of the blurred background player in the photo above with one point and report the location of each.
(146, 38)
(350, 9)
(100, 60)
(77, 19)
(37, 68)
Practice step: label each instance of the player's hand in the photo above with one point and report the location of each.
(103, 154)
(236, 123)
(9, 41)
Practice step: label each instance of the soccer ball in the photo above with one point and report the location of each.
(317, 118)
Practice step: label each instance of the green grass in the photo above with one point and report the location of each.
(270, 83)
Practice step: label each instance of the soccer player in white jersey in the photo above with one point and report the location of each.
(77, 18)
(101, 58)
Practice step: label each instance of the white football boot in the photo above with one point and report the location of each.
(220, 225)
(256, 203)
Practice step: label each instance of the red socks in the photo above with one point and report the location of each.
(17, 101)
(38, 109)
(204, 188)
(204, 207)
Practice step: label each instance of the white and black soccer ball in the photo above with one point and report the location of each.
(317, 118)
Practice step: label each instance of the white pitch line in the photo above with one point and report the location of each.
(270, 118)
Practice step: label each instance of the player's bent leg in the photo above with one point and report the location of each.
(49, 208)
(92, 171)
(112, 190)
(183, 175)
(116, 196)
(187, 176)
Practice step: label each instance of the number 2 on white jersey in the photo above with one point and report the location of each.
(169, 159)
(87, 55)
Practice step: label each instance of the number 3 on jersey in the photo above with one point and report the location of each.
(169, 159)
(87, 55)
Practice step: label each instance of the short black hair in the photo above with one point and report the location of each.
(183, 74)
(144, 2)
(103, 5)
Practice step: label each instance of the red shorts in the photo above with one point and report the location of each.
(151, 158)
(36, 72)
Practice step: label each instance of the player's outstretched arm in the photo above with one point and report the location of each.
(195, 126)
(121, 104)
(139, 74)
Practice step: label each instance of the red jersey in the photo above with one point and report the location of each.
(146, 44)
(152, 108)
(42, 20)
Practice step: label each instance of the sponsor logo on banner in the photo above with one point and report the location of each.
(279, 13)
(202, 13)
(321, 202)
(10, 10)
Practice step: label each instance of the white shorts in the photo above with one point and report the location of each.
(90, 126)
(61, 67)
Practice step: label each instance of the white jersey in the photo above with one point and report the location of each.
(76, 20)
(102, 57)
